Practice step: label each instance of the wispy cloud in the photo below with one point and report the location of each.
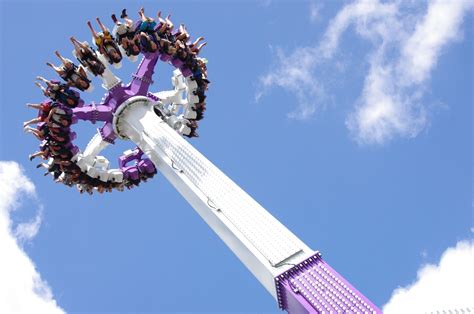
(25, 231)
(391, 102)
(315, 8)
(294, 73)
(371, 19)
(406, 40)
(21, 288)
(439, 288)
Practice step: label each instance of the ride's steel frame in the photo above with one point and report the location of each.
(295, 275)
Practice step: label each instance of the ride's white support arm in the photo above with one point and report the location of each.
(109, 80)
(94, 147)
(90, 163)
(260, 241)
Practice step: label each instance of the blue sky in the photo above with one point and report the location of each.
(350, 123)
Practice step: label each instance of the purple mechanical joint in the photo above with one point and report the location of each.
(107, 133)
(146, 167)
(186, 71)
(74, 150)
(177, 63)
(313, 286)
(131, 173)
(128, 156)
(165, 57)
(94, 113)
(142, 79)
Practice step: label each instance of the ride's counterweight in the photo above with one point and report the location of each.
(267, 248)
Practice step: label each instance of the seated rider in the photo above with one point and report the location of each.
(59, 92)
(182, 34)
(195, 49)
(60, 116)
(44, 151)
(126, 35)
(165, 35)
(43, 112)
(147, 24)
(165, 28)
(192, 124)
(40, 132)
(74, 75)
(186, 52)
(87, 57)
(106, 43)
(146, 31)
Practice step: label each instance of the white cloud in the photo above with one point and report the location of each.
(385, 110)
(390, 104)
(406, 40)
(440, 25)
(293, 73)
(369, 17)
(447, 286)
(28, 230)
(315, 11)
(21, 288)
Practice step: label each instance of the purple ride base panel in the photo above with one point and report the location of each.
(313, 286)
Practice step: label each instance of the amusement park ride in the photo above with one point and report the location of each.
(295, 275)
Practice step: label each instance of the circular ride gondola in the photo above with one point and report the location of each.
(181, 108)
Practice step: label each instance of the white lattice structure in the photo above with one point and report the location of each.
(260, 241)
